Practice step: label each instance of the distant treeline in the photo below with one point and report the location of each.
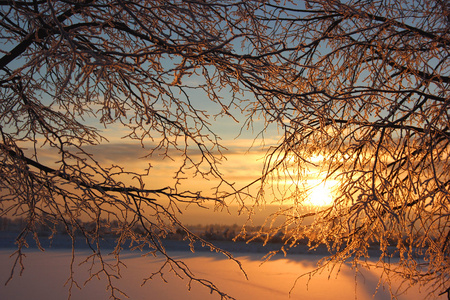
(214, 232)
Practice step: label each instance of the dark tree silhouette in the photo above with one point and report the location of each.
(360, 90)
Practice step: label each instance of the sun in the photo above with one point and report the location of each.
(320, 193)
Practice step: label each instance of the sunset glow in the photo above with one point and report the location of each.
(320, 193)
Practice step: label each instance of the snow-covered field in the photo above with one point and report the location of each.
(45, 275)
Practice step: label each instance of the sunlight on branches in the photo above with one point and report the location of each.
(358, 93)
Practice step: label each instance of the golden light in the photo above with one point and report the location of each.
(320, 193)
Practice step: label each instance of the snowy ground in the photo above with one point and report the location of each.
(46, 273)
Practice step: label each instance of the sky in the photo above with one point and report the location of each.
(243, 157)
(245, 148)
(242, 163)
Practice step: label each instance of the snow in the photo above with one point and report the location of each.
(46, 272)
